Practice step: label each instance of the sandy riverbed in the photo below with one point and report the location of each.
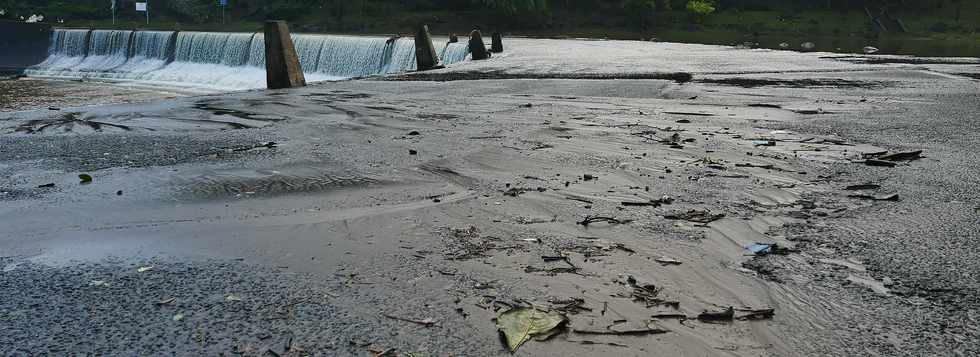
(450, 201)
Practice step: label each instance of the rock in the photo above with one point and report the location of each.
(282, 66)
(453, 38)
(425, 52)
(477, 48)
(496, 43)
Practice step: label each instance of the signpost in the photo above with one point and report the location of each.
(224, 5)
(144, 7)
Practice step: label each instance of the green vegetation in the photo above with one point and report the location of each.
(595, 18)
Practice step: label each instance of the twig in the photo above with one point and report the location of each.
(425, 322)
(593, 219)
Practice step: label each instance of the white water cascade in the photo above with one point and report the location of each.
(221, 60)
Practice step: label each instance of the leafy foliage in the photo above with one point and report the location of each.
(700, 7)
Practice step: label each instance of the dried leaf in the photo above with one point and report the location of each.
(521, 324)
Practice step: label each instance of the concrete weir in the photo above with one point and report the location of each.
(477, 48)
(425, 52)
(281, 62)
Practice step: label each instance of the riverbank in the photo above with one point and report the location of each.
(403, 216)
(940, 34)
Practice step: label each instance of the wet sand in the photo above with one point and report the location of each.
(454, 200)
(26, 94)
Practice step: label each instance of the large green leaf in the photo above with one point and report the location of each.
(520, 325)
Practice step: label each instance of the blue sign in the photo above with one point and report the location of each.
(222, 2)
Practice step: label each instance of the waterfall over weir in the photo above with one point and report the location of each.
(220, 60)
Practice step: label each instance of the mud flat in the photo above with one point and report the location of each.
(23, 94)
(402, 217)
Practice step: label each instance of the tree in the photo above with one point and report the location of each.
(700, 9)
(514, 6)
(640, 12)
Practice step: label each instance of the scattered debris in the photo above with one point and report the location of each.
(891, 197)
(769, 248)
(167, 301)
(761, 314)
(266, 145)
(726, 315)
(764, 142)
(528, 105)
(144, 269)
(552, 271)
(695, 215)
(648, 294)
(99, 283)
(879, 163)
(763, 105)
(665, 200)
(760, 166)
(593, 219)
(413, 152)
(178, 317)
(85, 178)
(668, 261)
(902, 156)
(670, 316)
(427, 322)
(863, 186)
(691, 113)
(47, 185)
(388, 352)
(570, 269)
(413, 133)
(521, 324)
(626, 332)
(233, 297)
(570, 306)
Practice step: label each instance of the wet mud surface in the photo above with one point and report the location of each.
(355, 218)
(679, 77)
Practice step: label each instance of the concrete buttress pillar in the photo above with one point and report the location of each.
(477, 47)
(497, 43)
(282, 68)
(425, 52)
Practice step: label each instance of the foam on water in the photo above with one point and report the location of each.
(220, 60)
